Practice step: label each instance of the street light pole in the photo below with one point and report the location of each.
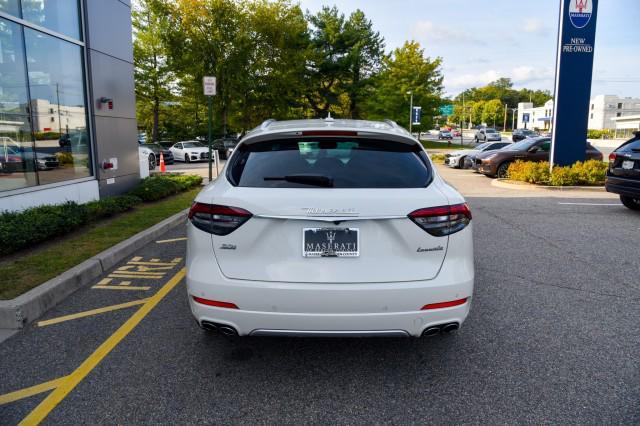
(513, 118)
(410, 110)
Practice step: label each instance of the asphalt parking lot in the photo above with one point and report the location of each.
(552, 337)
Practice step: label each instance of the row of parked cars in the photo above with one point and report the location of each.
(493, 159)
(185, 151)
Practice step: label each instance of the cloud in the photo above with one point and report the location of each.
(427, 31)
(520, 76)
(534, 25)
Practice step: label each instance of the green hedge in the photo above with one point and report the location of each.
(590, 172)
(19, 230)
(600, 134)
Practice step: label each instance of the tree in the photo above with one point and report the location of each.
(477, 110)
(492, 111)
(407, 70)
(152, 73)
(344, 56)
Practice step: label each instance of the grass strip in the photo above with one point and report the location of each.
(455, 144)
(25, 271)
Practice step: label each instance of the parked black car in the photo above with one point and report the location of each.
(157, 149)
(520, 134)
(623, 175)
(224, 146)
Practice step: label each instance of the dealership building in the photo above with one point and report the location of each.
(605, 112)
(67, 105)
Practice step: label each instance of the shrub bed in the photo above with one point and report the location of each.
(19, 230)
(588, 173)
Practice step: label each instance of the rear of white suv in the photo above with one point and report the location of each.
(330, 228)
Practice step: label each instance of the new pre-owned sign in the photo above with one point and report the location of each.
(574, 68)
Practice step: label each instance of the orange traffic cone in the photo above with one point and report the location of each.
(163, 168)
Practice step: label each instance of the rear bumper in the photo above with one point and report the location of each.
(331, 309)
(623, 186)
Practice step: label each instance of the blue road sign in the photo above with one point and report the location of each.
(574, 69)
(416, 115)
(525, 117)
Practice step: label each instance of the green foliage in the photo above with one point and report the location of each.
(65, 158)
(22, 229)
(492, 111)
(529, 171)
(19, 230)
(501, 90)
(600, 134)
(407, 69)
(590, 172)
(157, 187)
(110, 206)
(437, 158)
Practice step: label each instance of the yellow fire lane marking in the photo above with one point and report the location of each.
(72, 380)
(30, 391)
(142, 277)
(154, 263)
(91, 312)
(118, 287)
(171, 240)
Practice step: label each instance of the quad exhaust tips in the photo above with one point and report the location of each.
(227, 330)
(443, 328)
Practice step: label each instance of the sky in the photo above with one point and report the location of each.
(480, 41)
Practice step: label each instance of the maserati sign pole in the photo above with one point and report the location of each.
(574, 69)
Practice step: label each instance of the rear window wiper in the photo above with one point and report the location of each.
(316, 180)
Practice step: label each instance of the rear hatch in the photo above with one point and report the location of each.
(373, 186)
(625, 161)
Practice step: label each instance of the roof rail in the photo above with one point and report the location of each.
(391, 123)
(265, 124)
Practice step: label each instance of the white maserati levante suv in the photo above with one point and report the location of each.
(329, 228)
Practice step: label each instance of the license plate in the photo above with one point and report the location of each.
(330, 242)
(628, 164)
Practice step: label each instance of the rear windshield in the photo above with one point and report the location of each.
(630, 145)
(330, 162)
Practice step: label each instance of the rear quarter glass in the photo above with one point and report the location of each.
(348, 162)
(630, 145)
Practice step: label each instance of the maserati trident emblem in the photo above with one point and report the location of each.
(331, 236)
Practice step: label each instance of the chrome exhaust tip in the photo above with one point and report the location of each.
(452, 326)
(209, 326)
(431, 331)
(227, 331)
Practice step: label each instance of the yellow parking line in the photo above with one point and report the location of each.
(153, 263)
(171, 240)
(30, 391)
(145, 277)
(91, 312)
(71, 381)
(119, 287)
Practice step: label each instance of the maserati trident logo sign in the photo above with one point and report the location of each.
(580, 12)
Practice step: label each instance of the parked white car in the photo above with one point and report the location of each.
(329, 228)
(487, 134)
(189, 151)
(456, 159)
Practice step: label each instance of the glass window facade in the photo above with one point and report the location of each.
(43, 109)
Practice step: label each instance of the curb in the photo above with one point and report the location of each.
(505, 183)
(27, 307)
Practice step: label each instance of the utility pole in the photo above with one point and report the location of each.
(410, 110)
(513, 118)
(59, 119)
(209, 88)
(462, 122)
(504, 127)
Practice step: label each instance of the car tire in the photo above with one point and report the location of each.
(461, 163)
(187, 158)
(630, 202)
(152, 162)
(501, 171)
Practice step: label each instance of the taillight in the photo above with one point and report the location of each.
(612, 157)
(442, 220)
(217, 220)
